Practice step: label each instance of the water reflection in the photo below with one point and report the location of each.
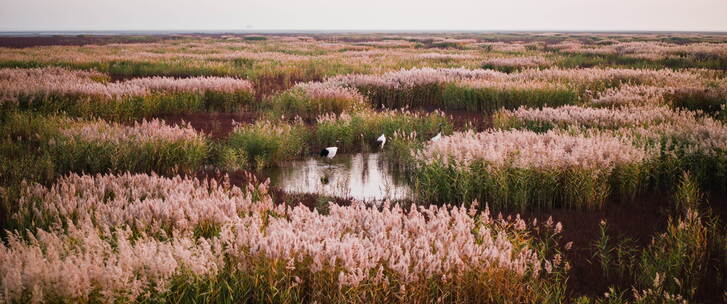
(363, 176)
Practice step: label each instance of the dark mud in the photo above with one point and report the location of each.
(79, 40)
(216, 125)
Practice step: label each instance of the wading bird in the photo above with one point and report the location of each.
(381, 141)
(439, 134)
(329, 152)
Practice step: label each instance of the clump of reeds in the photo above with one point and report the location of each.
(358, 131)
(710, 98)
(627, 95)
(82, 94)
(675, 261)
(524, 169)
(478, 90)
(308, 100)
(543, 119)
(145, 238)
(488, 90)
(147, 146)
(267, 143)
(414, 87)
(600, 79)
(490, 96)
(511, 64)
(686, 141)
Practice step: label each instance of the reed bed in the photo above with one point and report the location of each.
(582, 120)
(358, 131)
(697, 146)
(543, 119)
(408, 88)
(600, 79)
(280, 62)
(511, 64)
(265, 63)
(90, 94)
(147, 146)
(308, 100)
(644, 54)
(479, 90)
(632, 95)
(526, 170)
(147, 204)
(654, 50)
(263, 252)
(82, 266)
(24, 153)
(686, 141)
(710, 98)
(490, 96)
(267, 143)
(488, 90)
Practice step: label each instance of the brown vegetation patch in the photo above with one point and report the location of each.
(216, 125)
(31, 41)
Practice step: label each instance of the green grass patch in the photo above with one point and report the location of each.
(489, 100)
(359, 131)
(129, 108)
(266, 144)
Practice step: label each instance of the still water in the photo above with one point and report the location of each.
(362, 176)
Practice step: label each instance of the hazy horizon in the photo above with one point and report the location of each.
(369, 16)
(334, 31)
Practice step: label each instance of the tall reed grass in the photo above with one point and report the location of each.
(487, 90)
(88, 94)
(267, 143)
(358, 131)
(147, 146)
(308, 100)
(600, 79)
(629, 95)
(710, 98)
(479, 90)
(413, 88)
(512, 64)
(684, 141)
(114, 245)
(565, 117)
(490, 96)
(526, 170)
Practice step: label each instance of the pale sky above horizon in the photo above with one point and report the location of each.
(543, 15)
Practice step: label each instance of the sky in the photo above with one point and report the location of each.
(483, 15)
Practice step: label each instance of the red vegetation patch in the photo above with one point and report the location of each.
(216, 125)
(31, 41)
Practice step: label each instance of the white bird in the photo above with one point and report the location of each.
(439, 134)
(329, 152)
(381, 140)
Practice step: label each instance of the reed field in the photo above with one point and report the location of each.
(539, 168)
